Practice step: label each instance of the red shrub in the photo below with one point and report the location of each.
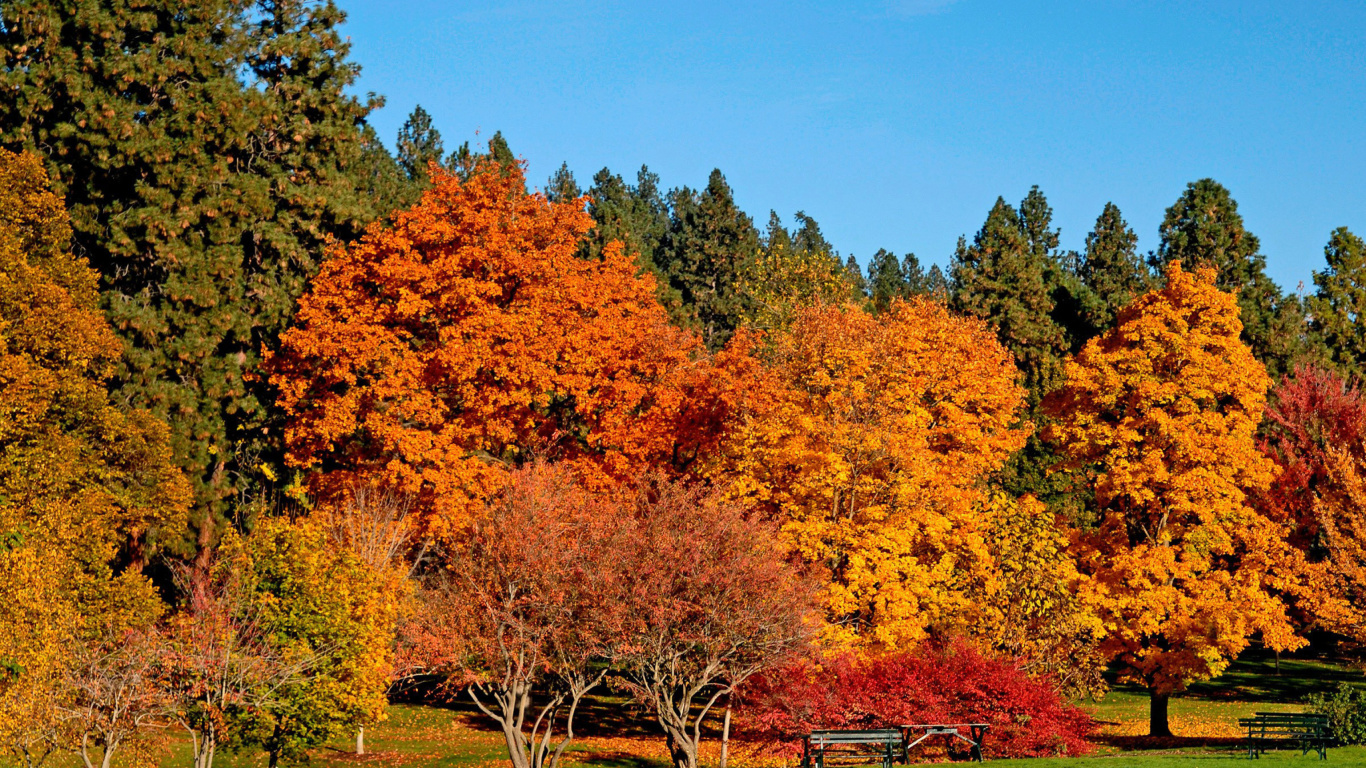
(936, 684)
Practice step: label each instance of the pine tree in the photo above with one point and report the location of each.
(856, 278)
(936, 284)
(419, 144)
(561, 188)
(1338, 307)
(886, 280)
(1203, 229)
(1004, 278)
(206, 152)
(705, 253)
(1111, 270)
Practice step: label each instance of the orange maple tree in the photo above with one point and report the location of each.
(1162, 413)
(441, 350)
(870, 446)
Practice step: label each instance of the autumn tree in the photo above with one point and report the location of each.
(1036, 607)
(1338, 326)
(116, 697)
(527, 615)
(327, 606)
(637, 216)
(1162, 413)
(710, 601)
(219, 660)
(423, 357)
(206, 153)
(1315, 431)
(791, 271)
(870, 449)
(85, 484)
(1204, 229)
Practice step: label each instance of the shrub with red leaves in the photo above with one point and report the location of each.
(951, 683)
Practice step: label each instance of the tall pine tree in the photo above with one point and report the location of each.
(1203, 229)
(1111, 270)
(206, 150)
(419, 144)
(1004, 277)
(1338, 306)
(705, 254)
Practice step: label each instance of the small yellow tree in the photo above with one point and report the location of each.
(1161, 412)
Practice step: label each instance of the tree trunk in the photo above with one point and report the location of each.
(725, 737)
(1157, 713)
(682, 750)
(360, 741)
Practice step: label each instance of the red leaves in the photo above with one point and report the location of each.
(935, 684)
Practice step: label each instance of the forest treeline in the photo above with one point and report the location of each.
(276, 395)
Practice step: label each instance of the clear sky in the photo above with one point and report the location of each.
(896, 124)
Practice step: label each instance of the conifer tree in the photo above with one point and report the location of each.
(1111, 270)
(936, 284)
(562, 187)
(886, 280)
(419, 143)
(206, 152)
(1003, 277)
(637, 217)
(1203, 229)
(706, 251)
(1338, 306)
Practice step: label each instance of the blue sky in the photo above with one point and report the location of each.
(896, 124)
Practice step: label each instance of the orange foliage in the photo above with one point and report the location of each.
(868, 441)
(439, 351)
(1163, 411)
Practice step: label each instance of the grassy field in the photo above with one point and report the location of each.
(611, 735)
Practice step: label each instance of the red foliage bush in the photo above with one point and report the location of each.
(951, 683)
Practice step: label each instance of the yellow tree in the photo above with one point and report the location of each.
(870, 449)
(84, 484)
(1161, 412)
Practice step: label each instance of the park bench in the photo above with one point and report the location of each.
(976, 733)
(1307, 731)
(833, 748)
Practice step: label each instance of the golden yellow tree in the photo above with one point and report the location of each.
(870, 448)
(1161, 412)
(84, 484)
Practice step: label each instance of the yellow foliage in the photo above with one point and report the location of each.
(83, 483)
(1162, 412)
(1037, 606)
(871, 450)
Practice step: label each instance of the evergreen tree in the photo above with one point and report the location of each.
(562, 186)
(419, 144)
(936, 284)
(1111, 270)
(856, 279)
(380, 178)
(808, 237)
(1338, 306)
(705, 253)
(206, 151)
(1203, 229)
(1004, 278)
(886, 280)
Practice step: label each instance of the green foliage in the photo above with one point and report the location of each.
(892, 278)
(562, 187)
(1111, 270)
(704, 255)
(419, 145)
(1339, 326)
(1204, 229)
(1346, 710)
(206, 152)
(1006, 277)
